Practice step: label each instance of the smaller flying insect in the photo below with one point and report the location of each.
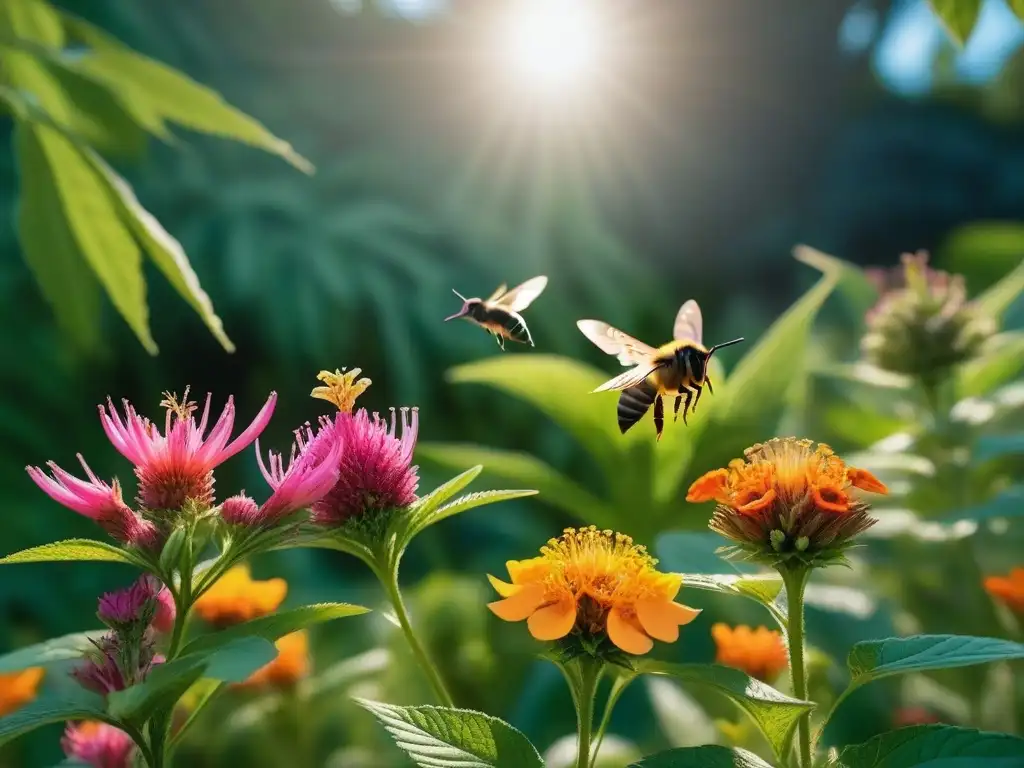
(500, 315)
(678, 368)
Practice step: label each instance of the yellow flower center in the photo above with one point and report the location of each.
(183, 408)
(341, 388)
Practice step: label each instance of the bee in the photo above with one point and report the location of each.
(678, 368)
(499, 314)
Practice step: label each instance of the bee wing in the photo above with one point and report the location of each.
(522, 296)
(612, 341)
(498, 292)
(689, 325)
(630, 378)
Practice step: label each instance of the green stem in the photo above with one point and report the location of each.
(795, 579)
(389, 578)
(583, 676)
(618, 686)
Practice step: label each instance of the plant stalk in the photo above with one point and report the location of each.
(583, 676)
(795, 580)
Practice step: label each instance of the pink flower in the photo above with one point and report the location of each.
(145, 600)
(177, 465)
(240, 510)
(97, 501)
(166, 612)
(97, 744)
(116, 663)
(375, 470)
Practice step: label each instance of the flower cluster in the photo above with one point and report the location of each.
(760, 652)
(98, 745)
(1008, 590)
(788, 500)
(146, 602)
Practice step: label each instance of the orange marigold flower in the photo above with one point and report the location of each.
(760, 652)
(236, 597)
(290, 666)
(594, 584)
(1008, 590)
(788, 498)
(18, 688)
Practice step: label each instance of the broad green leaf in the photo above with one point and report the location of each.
(561, 389)
(681, 720)
(71, 703)
(523, 469)
(232, 663)
(163, 249)
(693, 552)
(853, 282)
(958, 17)
(425, 506)
(935, 746)
(1001, 296)
(708, 756)
(436, 737)
(875, 659)
(94, 222)
(32, 20)
(49, 651)
(774, 713)
(155, 91)
(72, 550)
(471, 501)
(275, 626)
(49, 247)
(1002, 362)
(764, 589)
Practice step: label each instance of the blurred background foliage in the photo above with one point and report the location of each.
(724, 134)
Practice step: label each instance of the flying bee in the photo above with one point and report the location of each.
(678, 368)
(499, 314)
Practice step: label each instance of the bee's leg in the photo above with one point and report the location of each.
(679, 401)
(707, 380)
(659, 415)
(699, 390)
(686, 405)
(500, 340)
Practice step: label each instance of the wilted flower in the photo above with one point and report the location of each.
(594, 585)
(97, 744)
(290, 666)
(97, 501)
(146, 601)
(922, 324)
(236, 597)
(177, 466)
(906, 716)
(760, 652)
(1008, 590)
(375, 471)
(18, 688)
(116, 662)
(788, 500)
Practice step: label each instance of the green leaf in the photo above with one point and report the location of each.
(875, 659)
(232, 663)
(471, 501)
(32, 20)
(155, 92)
(163, 249)
(853, 281)
(1017, 6)
(763, 589)
(49, 651)
(958, 17)
(1001, 361)
(774, 713)
(436, 737)
(934, 746)
(523, 469)
(71, 703)
(73, 550)
(425, 506)
(49, 247)
(93, 221)
(1000, 297)
(693, 552)
(709, 756)
(275, 626)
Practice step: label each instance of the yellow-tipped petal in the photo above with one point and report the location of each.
(503, 588)
(627, 635)
(658, 619)
(553, 622)
(521, 605)
(682, 614)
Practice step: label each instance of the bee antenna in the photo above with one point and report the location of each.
(724, 344)
(459, 295)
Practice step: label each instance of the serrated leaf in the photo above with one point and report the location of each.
(73, 550)
(875, 659)
(275, 626)
(49, 651)
(935, 746)
(436, 737)
(523, 469)
(772, 711)
(1001, 362)
(425, 506)
(708, 756)
(71, 703)
(1000, 297)
(471, 501)
(958, 17)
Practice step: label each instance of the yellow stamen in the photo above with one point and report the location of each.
(340, 388)
(182, 409)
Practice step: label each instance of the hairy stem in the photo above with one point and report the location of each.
(618, 686)
(795, 579)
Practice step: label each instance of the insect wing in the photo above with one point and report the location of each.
(630, 378)
(689, 325)
(522, 296)
(498, 293)
(612, 341)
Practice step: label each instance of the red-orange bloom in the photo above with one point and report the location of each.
(237, 597)
(1008, 590)
(18, 688)
(290, 666)
(760, 652)
(594, 583)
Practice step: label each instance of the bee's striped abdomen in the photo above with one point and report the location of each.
(634, 403)
(510, 325)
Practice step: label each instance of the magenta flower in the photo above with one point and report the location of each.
(97, 501)
(115, 663)
(97, 744)
(177, 465)
(166, 612)
(147, 599)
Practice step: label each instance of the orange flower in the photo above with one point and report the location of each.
(18, 688)
(290, 666)
(788, 499)
(595, 584)
(236, 598)
(1008, 589)
(759, 652)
